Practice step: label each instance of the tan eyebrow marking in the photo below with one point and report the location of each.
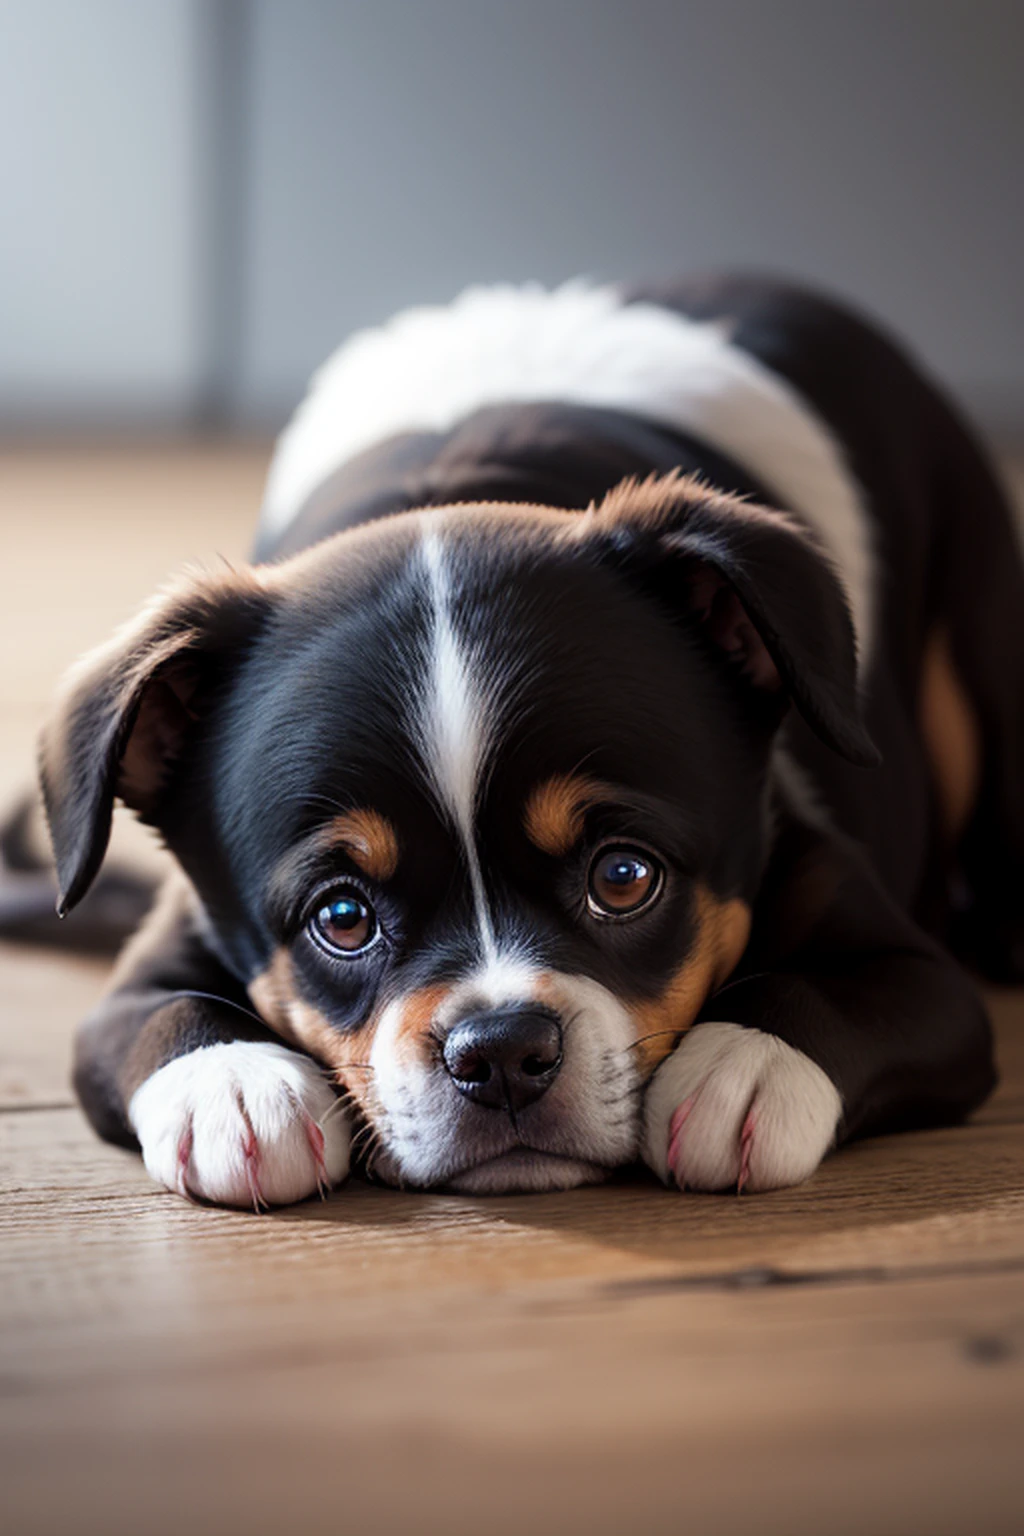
(368, 838)
(555, 811)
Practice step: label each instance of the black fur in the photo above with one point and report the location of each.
(260, 708)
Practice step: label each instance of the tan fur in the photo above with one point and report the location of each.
(419, 1010)
(952, 738)
(364, 835)
(273, 997)
(658, 499)
(301, 1024)
(346, 1053)
(276, 999)
(723, 928)
(368, 838)
(555, 811)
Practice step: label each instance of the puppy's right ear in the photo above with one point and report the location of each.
(127, 710)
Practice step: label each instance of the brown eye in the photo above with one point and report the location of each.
(622, 881)
(346, 922)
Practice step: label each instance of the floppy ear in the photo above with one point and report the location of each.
(761, 590)
(126, 712)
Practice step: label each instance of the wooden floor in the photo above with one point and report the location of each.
(844, 1358)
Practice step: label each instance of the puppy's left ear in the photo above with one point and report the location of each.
(127, 713)
(762, 593)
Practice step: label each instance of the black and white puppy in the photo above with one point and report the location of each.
(627, 707)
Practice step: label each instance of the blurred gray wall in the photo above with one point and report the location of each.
(97, 208)
(201, 196)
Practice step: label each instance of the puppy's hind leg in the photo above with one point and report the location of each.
(972, 705)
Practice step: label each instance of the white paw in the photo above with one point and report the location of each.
(735, 1108)
(241, 1124)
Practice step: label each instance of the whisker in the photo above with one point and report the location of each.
(738, 982)
(364, 1135)
(343, 1090)
(339, 1107)
(656, 1034)
(211, 997)
(582, 760)
(361, 1154)
(373, 1151)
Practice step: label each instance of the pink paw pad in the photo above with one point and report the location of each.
(746, 1148)
(183, 1158)
(315, 1137)
(675, 1133)
(251, 1154)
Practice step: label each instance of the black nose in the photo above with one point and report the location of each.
(505, 1059)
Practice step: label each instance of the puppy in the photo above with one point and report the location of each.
(623, 713)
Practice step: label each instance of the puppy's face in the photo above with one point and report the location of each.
(498, 824)
(474, 802)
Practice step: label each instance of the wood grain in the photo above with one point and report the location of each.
(847, 1357)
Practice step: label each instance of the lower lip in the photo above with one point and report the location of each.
(524, 1171)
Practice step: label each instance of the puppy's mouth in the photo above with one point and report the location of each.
(525, 1170)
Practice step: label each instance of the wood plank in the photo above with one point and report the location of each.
(630, 1415)
(398, 1357)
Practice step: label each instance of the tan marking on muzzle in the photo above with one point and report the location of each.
(346, 1053)
(279, 1004)
(419, 1010)
(273, 994)
(353, 1068)
(723, 928)
(555, 812)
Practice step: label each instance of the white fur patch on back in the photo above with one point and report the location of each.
(430, 367)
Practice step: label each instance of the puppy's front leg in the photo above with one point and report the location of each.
(845, 1019)
(738, 1108)
(174, 1061)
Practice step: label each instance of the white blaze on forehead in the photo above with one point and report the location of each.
(509, 977)
(456, 720)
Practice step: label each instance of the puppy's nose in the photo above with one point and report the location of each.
(505, 1059)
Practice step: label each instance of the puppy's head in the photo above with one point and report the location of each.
(473, 800)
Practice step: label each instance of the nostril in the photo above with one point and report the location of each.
(536, 1066)
(466, 1062)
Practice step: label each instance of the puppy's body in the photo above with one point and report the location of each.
(452, 717)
